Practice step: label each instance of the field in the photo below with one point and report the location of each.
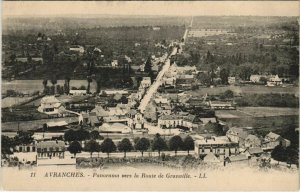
(260, 117)
(31, 125)
(11, 101)
(30, 86)
(242, 112)
(247, 89)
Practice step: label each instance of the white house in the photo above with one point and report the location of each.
(114, 63)
(274, 81)
(78, 92)
(77, 48)
(146, 82)
(50, 105)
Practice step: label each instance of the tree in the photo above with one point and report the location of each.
(279, 153)
(175, 143)
(45, 82)
(6, 145)
(74, 148)
(228, 94)
(224, 74)
(23, 137)
(142, 145)
(158, 144)
(108, 146)
(216, 128)
(89, 80)
(188, 143)
(54, 82)
(70, 135)
(204, 79)
(91, 146)
(82, 135)
(125, 146)
(95, 135)
(292, 153)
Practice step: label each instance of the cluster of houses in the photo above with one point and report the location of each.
(238, 145)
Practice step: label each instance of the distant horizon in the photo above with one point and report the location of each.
(150, 8)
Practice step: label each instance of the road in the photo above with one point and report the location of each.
(132, 154)
(155, 85)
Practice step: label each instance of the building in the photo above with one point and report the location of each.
(220, 146)
(218, 105)
(271, 140)
(78, 92)
(211, 158)
(114, 63)
(252, 141)
(256, 78)
(145, 83)
(169, 121)
(191, 122)
(274, 81)
(50, 149)
(77, 48)
(253, 152)
(135, 119)
(50, 106)
(231, 80)
(237, 135)
(240, 158)
(114, 128)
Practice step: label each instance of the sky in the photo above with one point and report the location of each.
(168, 8)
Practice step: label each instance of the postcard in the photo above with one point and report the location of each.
(150, 96)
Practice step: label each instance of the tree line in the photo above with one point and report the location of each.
(140, 144)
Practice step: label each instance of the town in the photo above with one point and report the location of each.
(185, 92)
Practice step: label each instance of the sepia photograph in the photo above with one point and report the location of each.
(150, 96)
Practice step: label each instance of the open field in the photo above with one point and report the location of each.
(256, 112)
(267, 123)
(11, 101)
(32, 125)
(246, 89)
(30, 86)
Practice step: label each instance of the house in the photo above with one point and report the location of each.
(34, 59)
(114, 63)
(26, 148)
(191, 122)
(219, 105)
(253, 152)
(145, 83)
(169, 121)
(220, 146)
(77, 48)
(237, 158)
(100, 112)
(56, 124)
(114, 128)
(237, 135)
(231, 80)
(78, 92)
(50, 149)
(160, 101)
(252, 141)
(211, 158)
(135, 119)
(50, 106)
(256, 78)
(151, 112)
(274, 81)
(271, 140)
(206, 120)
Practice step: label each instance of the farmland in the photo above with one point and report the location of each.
(247, 89)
